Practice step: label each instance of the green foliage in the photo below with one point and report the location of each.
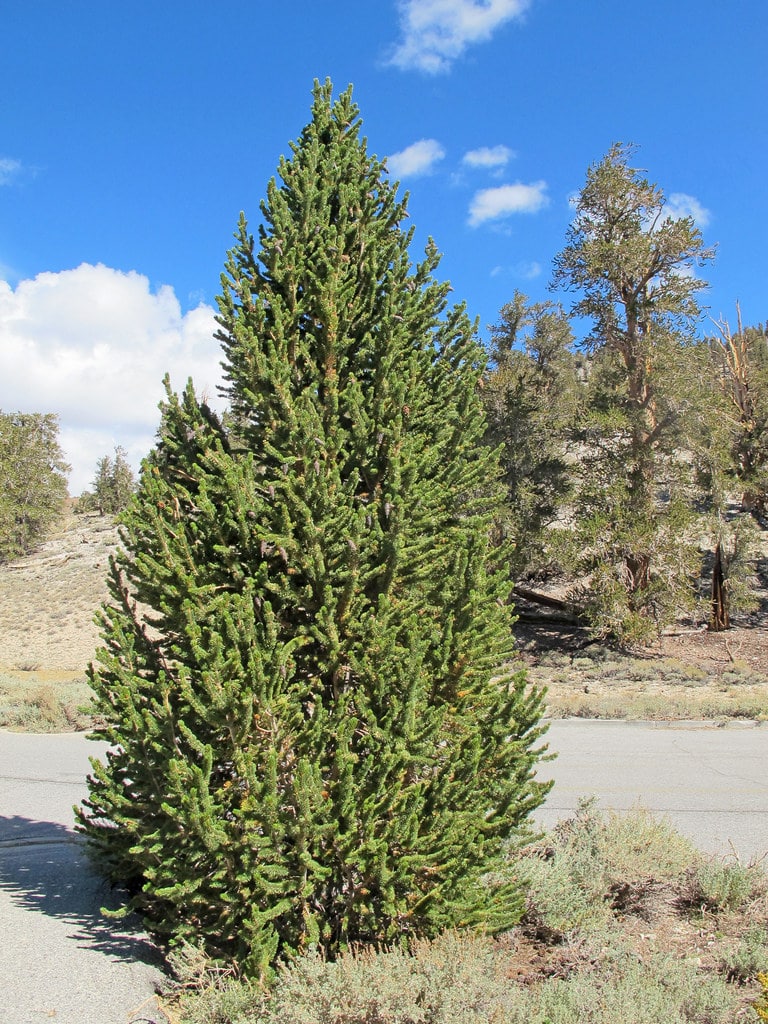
(631, 261)
(455, 979)
(594, 865)
(114, 484)
(315, 740)
(634, 524)
(33, 480)
(736, 541)
(208, 993)
(531, 399)
(464, 979)
(717, 885)
(639, 566)
(744, 960)
(630, 953)
(653, 989)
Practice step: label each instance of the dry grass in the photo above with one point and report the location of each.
(625, 921)
(34, 700)
(691, 674)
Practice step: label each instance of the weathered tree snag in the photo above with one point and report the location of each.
(720, 619)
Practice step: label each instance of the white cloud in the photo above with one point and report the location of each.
(493, 203)
(436, 32)
(9, 169)
(526, 269)
(419, 158)
(681, 205)
(488, 156)
(92, 345)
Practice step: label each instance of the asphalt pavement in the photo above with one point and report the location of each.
(710, 781)
(63, 961)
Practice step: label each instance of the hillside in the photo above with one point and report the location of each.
(48, 599)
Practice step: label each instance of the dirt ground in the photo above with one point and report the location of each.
(47, 635)
(689, 673)
(48, 599)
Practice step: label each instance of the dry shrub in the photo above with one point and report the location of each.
(594, 865)
(717, 885)
(462, 979)
(46, 707)
(455, 979)
(594, 880)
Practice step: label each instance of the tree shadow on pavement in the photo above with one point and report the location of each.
(45, 868)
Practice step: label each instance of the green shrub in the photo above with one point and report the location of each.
(463, 979)
(717, 885)
(625, 989)
(747, 957)
(206, 993)
(593, 865)
(457, 979)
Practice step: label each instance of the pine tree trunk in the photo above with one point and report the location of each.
(719, 619)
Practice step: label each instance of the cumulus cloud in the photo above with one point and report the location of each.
(92, 345)
(9, 170)
(418, 158)
(436, 32)
(681, 205)
(491, 157)
(494, 203)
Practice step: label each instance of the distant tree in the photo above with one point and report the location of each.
(318, 740)
(633, 263)
(741, 363)
(114, 483)
(33, 480)
(531, 396)
(733, 457)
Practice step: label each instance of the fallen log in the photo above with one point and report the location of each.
(559, 611)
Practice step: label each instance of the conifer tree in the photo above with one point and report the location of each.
(632, 261)
(315, 738)
(531, 398)
(114, 483)
(33, 480)
(741, 374)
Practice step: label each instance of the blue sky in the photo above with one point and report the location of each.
(132, 134)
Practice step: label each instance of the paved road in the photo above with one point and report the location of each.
(712, 783)
(61, 960)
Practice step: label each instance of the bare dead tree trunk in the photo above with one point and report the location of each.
(720, 619)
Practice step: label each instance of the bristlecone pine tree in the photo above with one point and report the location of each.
(315, 738)
(635, 524)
